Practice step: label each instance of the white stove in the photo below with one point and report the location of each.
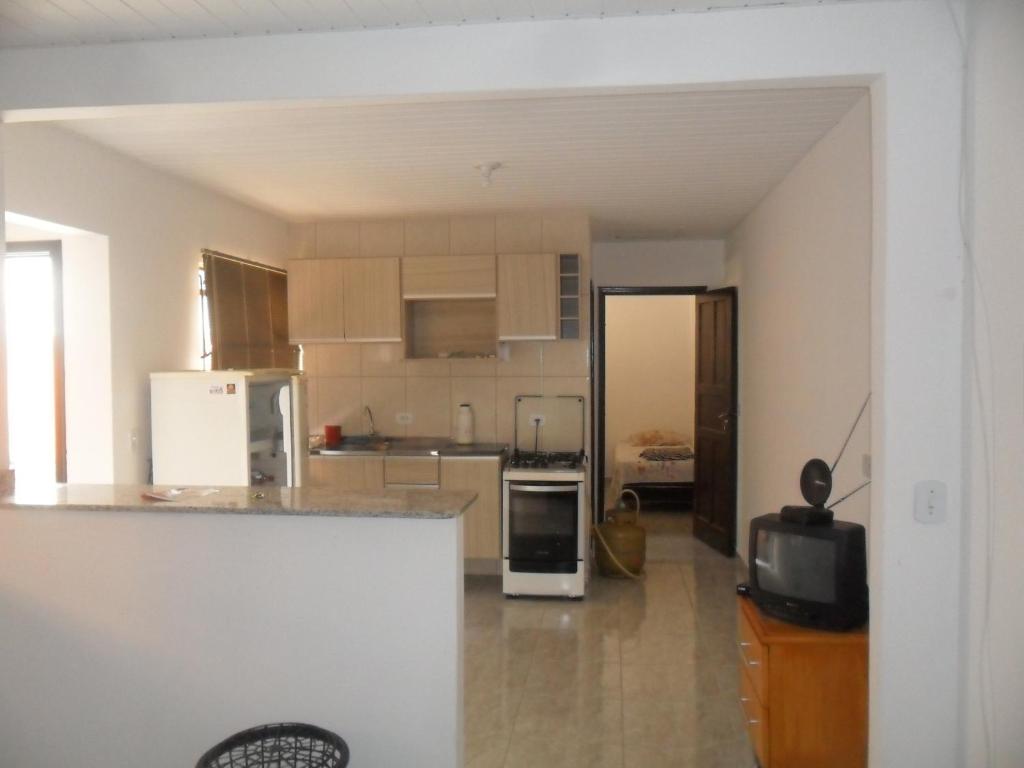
(545, 524)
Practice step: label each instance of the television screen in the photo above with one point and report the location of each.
(796, 566)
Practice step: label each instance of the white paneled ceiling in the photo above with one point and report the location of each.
(643, 165)
(71, 22)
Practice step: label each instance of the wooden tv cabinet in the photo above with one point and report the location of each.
(804, 692)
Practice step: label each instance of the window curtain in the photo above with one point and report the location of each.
(248, 306)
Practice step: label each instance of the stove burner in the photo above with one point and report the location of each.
(546, 460)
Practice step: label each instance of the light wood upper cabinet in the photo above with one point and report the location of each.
(527, 296)
(373, 299)
(482, 520)
(315, 300)
(448, 277)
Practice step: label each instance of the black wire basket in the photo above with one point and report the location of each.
(279, 745)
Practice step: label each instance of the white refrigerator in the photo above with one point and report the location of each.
(229, 427)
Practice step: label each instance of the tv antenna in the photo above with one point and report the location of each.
(816, 485)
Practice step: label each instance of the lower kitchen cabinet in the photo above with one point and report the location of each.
(349, 473)
(482, 520)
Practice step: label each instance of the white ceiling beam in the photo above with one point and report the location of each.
(838, 43)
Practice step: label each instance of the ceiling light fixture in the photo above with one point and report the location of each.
(486, 169)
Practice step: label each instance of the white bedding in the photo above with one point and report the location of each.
(630, 468)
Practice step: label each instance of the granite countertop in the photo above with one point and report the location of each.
(414, 446)
(320, 501)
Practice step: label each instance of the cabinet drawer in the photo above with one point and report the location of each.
(753, 655)
(411, 470)
(756, 717)
(349, 473)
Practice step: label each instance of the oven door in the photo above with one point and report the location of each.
(542, 524)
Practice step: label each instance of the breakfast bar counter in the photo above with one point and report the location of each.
(257, 500)
(144, 632)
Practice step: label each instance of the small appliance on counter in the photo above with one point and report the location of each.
(464, 425)
(544, 527)
(229, 427)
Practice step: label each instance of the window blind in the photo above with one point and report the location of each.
(248, 306)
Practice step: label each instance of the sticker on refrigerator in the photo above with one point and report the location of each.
(231, 389)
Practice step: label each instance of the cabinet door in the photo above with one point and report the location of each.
(482, 520)
(348, 473)
(527, 296)
(315, 300)
(373, 299)
(448, 277)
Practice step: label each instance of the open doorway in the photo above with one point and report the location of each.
(647, 402)
(33, 306)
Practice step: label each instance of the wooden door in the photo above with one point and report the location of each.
(527, 296)
(714, 520)
(373, 299)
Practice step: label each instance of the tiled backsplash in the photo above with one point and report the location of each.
(343, 378)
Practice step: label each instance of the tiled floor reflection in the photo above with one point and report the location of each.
(639, 674)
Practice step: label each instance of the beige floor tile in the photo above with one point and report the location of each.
(637, 674)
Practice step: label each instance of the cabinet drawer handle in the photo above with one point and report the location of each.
(748, 662)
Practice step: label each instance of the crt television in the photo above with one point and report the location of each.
(812, 575)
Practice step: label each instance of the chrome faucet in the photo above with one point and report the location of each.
(369, 415)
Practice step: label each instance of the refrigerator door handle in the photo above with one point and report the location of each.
(284, 402)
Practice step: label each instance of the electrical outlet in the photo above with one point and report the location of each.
(403, 418)
(930, 502)
(537, 420)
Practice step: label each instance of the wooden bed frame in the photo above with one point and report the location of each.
(675, 496)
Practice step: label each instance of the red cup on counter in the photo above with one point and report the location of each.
(332, 434)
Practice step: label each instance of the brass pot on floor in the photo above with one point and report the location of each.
(621, 548)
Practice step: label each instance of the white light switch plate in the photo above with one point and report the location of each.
(930, 502)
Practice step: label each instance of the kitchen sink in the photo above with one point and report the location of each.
(356, 444)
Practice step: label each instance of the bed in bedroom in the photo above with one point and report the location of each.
(658, 465)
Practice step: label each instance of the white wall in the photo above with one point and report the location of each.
(156, 226)
(88, 388)
(802, 264)
(649, 367)
(994, 372)
(659, 263)
(211, 623)
(907, 52)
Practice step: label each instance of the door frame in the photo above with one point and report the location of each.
(597, 449)
(53, 248)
